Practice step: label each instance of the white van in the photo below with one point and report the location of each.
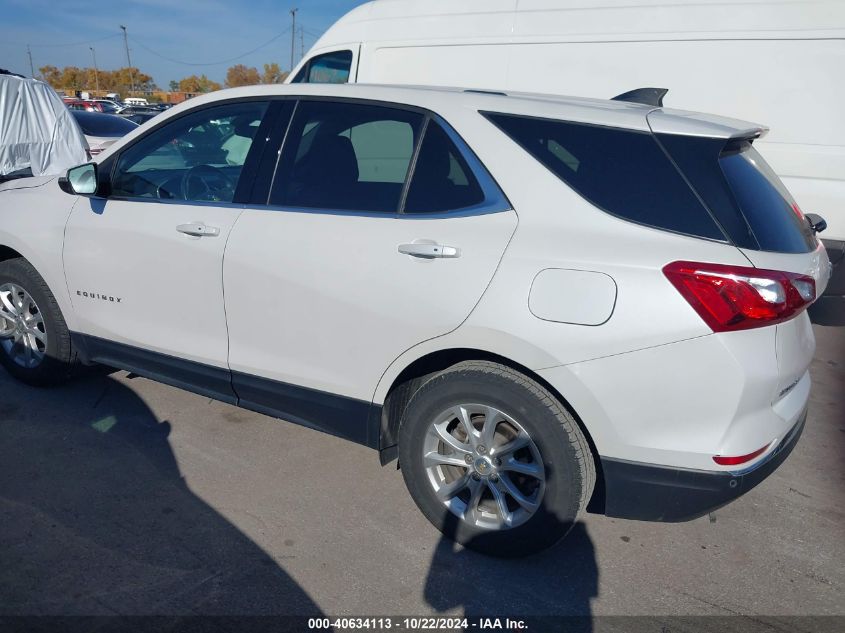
(776, 63)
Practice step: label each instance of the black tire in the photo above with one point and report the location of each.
(566, 455)
(60, 359)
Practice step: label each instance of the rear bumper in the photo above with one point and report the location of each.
(646, 492)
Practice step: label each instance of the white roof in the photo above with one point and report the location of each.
(37, 130)
(506, 21)
(441, 100)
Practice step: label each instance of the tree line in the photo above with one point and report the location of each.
(122, 80)
(72, 78)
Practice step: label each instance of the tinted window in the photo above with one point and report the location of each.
(196, 157)
(99, 124)
(330, 68)
(773, 215)
(441, 180)
(698, 158)
(343, 156)
(623, 172)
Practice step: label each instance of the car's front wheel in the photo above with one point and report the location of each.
(35, 345)
(494, 460)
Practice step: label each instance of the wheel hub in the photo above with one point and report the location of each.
(484, 466)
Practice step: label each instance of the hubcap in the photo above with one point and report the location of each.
(484, 466)
(23, 335)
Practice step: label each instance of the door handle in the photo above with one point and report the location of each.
(198, 229)
(427, 250)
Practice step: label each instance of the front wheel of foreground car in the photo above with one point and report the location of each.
(494, 460)
(35, 344)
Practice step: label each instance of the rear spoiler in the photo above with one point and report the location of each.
(645, 96)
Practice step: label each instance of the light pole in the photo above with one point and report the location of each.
(31, 65)
(292, 36)
(96, 70)
(128, 60)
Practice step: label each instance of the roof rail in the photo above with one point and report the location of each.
(486, 92)
(645, 96)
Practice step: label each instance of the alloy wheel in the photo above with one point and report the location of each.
(23, 334)
(484, 466)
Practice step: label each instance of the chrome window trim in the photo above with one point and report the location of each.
(175, 201)
(479, 209)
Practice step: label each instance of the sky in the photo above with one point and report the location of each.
(168, 39)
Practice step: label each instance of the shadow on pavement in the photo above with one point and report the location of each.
(96, 519)
(560, 581)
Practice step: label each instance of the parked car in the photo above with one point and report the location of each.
(106, 105)
(102, 130)
(38, 136)
(139, 110)
(533, 45)
(83, 104)
(534, 302)
(138, 117)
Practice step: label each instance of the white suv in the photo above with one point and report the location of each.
(536, 303)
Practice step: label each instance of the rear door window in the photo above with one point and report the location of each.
(442, 181)
(623, 172)
(329, 68)
(346, 156)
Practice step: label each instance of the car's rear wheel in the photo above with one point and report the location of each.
(35, 345)
(494, 460)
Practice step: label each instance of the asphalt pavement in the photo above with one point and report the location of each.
(119, 495)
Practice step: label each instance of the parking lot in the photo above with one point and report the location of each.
(121, 495)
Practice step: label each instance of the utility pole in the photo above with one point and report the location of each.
(96, 70)
(128, 60)
(292, 36)
(31, 65)
(301, 42)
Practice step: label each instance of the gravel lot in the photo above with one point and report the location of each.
(121, 495)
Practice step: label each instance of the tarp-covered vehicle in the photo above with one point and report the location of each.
(38, 135)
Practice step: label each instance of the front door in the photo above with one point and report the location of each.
(144, 265)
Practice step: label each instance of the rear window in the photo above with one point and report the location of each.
(743, 193)
(772, 214)
(623, 172)
(101, 124)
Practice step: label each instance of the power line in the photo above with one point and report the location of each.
(217, 63)
(85, 43)
(312, 32)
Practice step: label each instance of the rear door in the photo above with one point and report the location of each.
(382, 231)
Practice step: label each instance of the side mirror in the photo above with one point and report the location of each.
(816, 222)
(81, 180)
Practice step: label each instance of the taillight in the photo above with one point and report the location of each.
(732, 298)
